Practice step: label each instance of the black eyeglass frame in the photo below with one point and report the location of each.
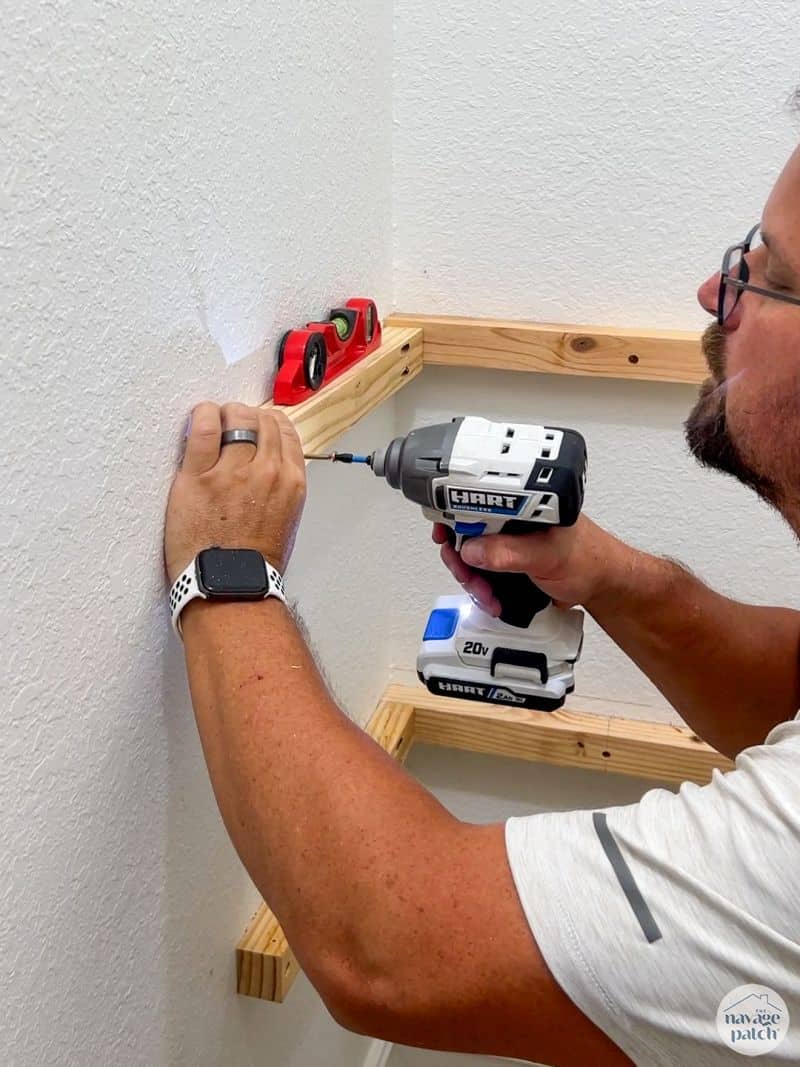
(742, 284)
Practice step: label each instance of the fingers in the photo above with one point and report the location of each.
(292, 445)
(278, 440)
(498, 552)
(440, 533)
(455, 564)
(270, 440)
(203, 439)
(238, 417)
(474, 584)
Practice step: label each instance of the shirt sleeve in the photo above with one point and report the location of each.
(648, 915)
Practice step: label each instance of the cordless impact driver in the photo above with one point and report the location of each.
(480, 477)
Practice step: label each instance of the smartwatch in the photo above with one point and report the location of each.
(224, 574)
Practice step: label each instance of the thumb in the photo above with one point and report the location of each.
(497, 552)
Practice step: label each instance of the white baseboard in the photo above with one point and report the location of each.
(378, 1054)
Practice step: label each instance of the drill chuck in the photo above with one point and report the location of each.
(378, 462)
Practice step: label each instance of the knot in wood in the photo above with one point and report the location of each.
(583, 343)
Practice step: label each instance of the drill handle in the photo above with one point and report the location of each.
(520, 598)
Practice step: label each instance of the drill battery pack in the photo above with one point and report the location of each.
(469, 655)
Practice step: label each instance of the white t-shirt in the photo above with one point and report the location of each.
(649, 916)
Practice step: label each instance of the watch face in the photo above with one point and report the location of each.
(233, 572)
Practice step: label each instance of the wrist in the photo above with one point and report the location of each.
(618, 571)
(632, 579)
(216, 617)
(224, 574)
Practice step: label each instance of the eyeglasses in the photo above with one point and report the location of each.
(735, 275)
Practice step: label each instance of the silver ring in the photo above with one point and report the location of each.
(235, 437)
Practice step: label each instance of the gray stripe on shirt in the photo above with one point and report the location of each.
(625, 878)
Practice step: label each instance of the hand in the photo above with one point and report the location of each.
(238, 496)
(569, 563)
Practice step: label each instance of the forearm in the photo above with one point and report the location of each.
(326, 823)
(730, 669)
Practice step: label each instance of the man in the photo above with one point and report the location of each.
(569, 938)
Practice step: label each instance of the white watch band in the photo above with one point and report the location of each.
(186, 588)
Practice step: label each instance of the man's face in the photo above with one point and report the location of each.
(747, 419)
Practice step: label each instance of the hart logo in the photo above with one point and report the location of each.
(463, 499)
(495, 694)
(752, 1020)
(461, 687)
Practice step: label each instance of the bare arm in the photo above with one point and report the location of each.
(322, 818)
(731, 670)
(405, 919)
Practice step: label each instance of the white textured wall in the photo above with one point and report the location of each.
(178, 185)
(583, 162)
(589, 163)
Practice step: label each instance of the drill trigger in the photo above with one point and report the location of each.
(470, 529)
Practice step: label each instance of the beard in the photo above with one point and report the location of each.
(707, 430)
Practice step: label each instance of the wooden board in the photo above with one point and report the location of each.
(566, 738)
(595, 351)
(265, 965)
(338, 406)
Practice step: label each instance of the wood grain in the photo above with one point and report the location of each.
(566, 738)
(265, 965)
(551, 348)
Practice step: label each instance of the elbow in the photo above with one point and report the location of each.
(351, 1016)
(369, 1019)
(364, 1004)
